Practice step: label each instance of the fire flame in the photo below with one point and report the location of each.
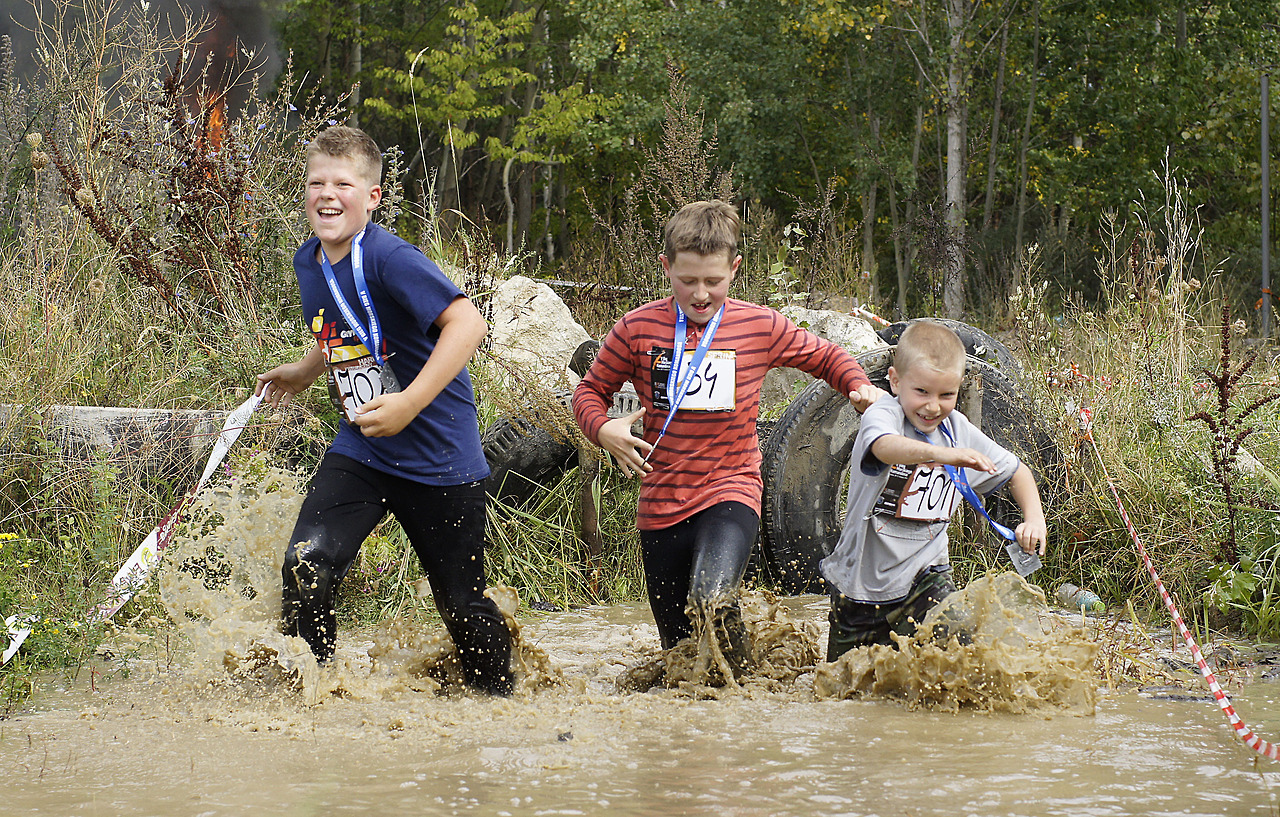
(215, 129)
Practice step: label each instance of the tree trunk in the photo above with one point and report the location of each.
(988, 204)
(868, 243)
(326, 48)
(511, 208)
(357, 63)
(448, 192)
(524, 205)
(904, 274)
(562, 210)
(899, 266)
(1025, 148)
(548, 186)
(957, 111)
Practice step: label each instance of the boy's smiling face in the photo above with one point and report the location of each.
(339, 200)
(927, 394)
(700, 283)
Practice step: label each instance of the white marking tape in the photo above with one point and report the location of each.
(137, 569)
(18, 627)
(1250, 738)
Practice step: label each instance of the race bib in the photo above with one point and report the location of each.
(352, 383)
(918, 493)
(712, 388)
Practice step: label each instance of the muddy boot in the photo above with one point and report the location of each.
(290, 601)
(731, 634)
(645, 675)
(315, 619)
(484, 647)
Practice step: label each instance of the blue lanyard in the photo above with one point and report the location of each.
(675, 393)
(372, 337)
(966, 490)
(1025, 563)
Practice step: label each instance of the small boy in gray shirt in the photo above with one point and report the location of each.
(891, 565)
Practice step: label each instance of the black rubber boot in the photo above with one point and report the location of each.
(484, 649)
(290, 601)
(731, 634)
(308, 607)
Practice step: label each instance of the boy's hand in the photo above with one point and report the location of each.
(864, 396)
(278, 386)
(965, 458)
(386, 415)
(1032, 536)
(627, 449)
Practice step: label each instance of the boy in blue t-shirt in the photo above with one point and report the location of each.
(394, 336)
(891, 565)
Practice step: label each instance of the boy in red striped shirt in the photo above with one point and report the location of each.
(699, 507)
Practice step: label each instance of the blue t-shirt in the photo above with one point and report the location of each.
(441, 446)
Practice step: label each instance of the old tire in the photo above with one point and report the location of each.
(976, 344)
(523, 456)
(806, 459)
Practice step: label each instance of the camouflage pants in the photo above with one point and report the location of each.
(861, 624)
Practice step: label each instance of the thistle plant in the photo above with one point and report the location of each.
(1227, 425)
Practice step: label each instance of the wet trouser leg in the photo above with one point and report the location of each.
(861, 624)
(446, 527)
(342, 506)
(699, 563)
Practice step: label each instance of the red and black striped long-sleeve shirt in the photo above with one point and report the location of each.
(706, 457)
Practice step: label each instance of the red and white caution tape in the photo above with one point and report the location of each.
(869, 316)
(1250, 738)
(137, 569)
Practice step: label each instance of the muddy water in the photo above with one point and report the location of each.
(218, 714)
(153, 744)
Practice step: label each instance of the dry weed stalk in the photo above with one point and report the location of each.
(1227, 427)
(679, 170)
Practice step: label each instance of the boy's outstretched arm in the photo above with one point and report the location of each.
(1033, 532)
(895, 449)
(462, 327)
(279, 385)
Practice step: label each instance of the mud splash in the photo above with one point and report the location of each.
(1000, 653)
(220, 585)
(775, 650)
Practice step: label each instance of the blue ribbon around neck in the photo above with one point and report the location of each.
(677, 386)
(371, 337)
(1026, 563)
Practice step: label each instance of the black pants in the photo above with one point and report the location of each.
(860, 624)
(445, 525)
(696, 563)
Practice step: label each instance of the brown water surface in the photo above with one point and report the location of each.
(151, 744)
(219, 714)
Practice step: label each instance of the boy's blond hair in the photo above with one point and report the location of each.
(341, 141)
(704, 227)
(931, 344)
